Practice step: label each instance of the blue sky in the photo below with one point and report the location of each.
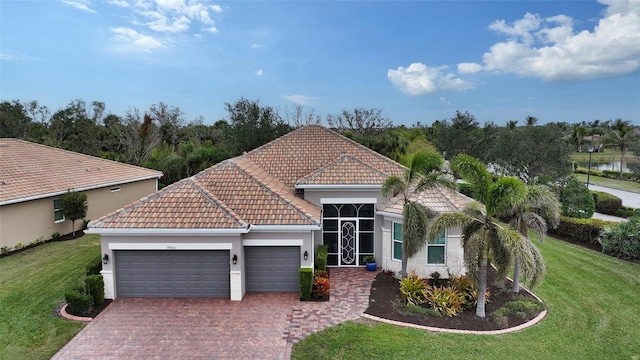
(417, 60)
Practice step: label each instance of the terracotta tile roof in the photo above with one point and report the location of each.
(303, 151)
(439, 199)
(256, 196)
(345, 170)
(29, 170)
(183, 205)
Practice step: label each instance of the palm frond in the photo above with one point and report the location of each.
(393, 185)
(475, 172)
(537, 224)
(505, 195)
(414, 228)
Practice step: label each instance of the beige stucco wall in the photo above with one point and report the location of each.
(30, 221)
(454, 255)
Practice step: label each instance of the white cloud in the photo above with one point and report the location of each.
(172, 16)
(129, 40)
(256, 46)
(444, 101)
(119, 3)
(11, 55)
(80, 5)
(469, 68)
(259, 72)
(419, 79)
(550, 49)
(299, 99)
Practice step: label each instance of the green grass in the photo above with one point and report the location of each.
(603, 157)
(593, 302)
(610, 183)
(33, 283)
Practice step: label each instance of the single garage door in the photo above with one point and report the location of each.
(159, 273)
(272, 269)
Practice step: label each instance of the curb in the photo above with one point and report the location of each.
(66, 315)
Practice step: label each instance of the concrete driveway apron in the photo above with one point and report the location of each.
(262, 326)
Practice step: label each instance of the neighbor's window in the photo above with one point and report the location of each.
(436, 249)
(397, 241)
(57, 210)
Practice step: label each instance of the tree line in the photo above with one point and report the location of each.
(160, 138)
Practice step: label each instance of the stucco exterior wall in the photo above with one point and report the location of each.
(33, 220)
(454, 255)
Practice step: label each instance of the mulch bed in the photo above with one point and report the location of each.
(94, 311)
(385, 295)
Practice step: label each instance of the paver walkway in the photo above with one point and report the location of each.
(262, 326)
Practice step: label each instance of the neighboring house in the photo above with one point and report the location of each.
(33, 178)
(249, 223)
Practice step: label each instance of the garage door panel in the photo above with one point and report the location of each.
(272, 269)
(159, 273)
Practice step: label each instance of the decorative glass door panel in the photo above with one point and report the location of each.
(348, 243)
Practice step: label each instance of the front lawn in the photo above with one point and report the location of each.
(33, 283)
(593, 302)
(610, 183)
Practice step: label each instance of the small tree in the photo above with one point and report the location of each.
(577, 200)
(74, 207)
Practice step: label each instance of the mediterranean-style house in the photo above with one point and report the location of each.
(33, 178)
(249, 223)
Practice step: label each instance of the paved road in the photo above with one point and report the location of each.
(630, 199)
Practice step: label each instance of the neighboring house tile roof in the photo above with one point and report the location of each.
(439, 199)
(31, 171)
(345, 170)
(305, 150)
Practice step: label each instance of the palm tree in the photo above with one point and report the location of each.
(423, 171)
(539, 210)
(621, 139)
(483, 237)
(511, 125)
(531, 120)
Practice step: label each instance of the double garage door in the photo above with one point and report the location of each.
(198, 273)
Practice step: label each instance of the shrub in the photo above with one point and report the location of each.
(414, 309)
(413, 289)
(606, 203)
(321, 287)
(577, 200)
(306, 282)
(19, 246)
(583, 230)
(5, 249)
(95, 285)
(321, 261)
(95, 266)
(55, 236)
(464, 285)
(445, 300)
(627, 212)
(369, 259)
(78, 302)
(623, 239)
(321, 273)
(586, 171)
(521, 308)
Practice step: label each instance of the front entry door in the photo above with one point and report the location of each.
(348, 251)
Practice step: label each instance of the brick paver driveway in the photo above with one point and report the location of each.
(262, 326)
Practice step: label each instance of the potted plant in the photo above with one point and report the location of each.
(371, 262)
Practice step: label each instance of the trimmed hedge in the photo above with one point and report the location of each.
(582, 230)
(321, 261)
(577, 200)
(95, 266)
(306, 283)
(95, 285)
(606, 203)
(78, 302)
(627, 212)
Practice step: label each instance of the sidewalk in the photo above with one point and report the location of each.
(629, 199)
(608, 217)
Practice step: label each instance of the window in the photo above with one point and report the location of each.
(57, 210)
(436, 249)
(348, 231)
(397, 241)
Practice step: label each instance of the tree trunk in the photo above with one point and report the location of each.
(482, 286)
(621, 159)
(516, 276)
(73, 228)
(403, 272)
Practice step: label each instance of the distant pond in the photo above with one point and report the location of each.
(630, 165)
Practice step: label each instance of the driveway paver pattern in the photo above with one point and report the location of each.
(262, 326)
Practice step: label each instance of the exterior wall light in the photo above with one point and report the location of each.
(306, 255)
(234, 259)
(105, 259)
